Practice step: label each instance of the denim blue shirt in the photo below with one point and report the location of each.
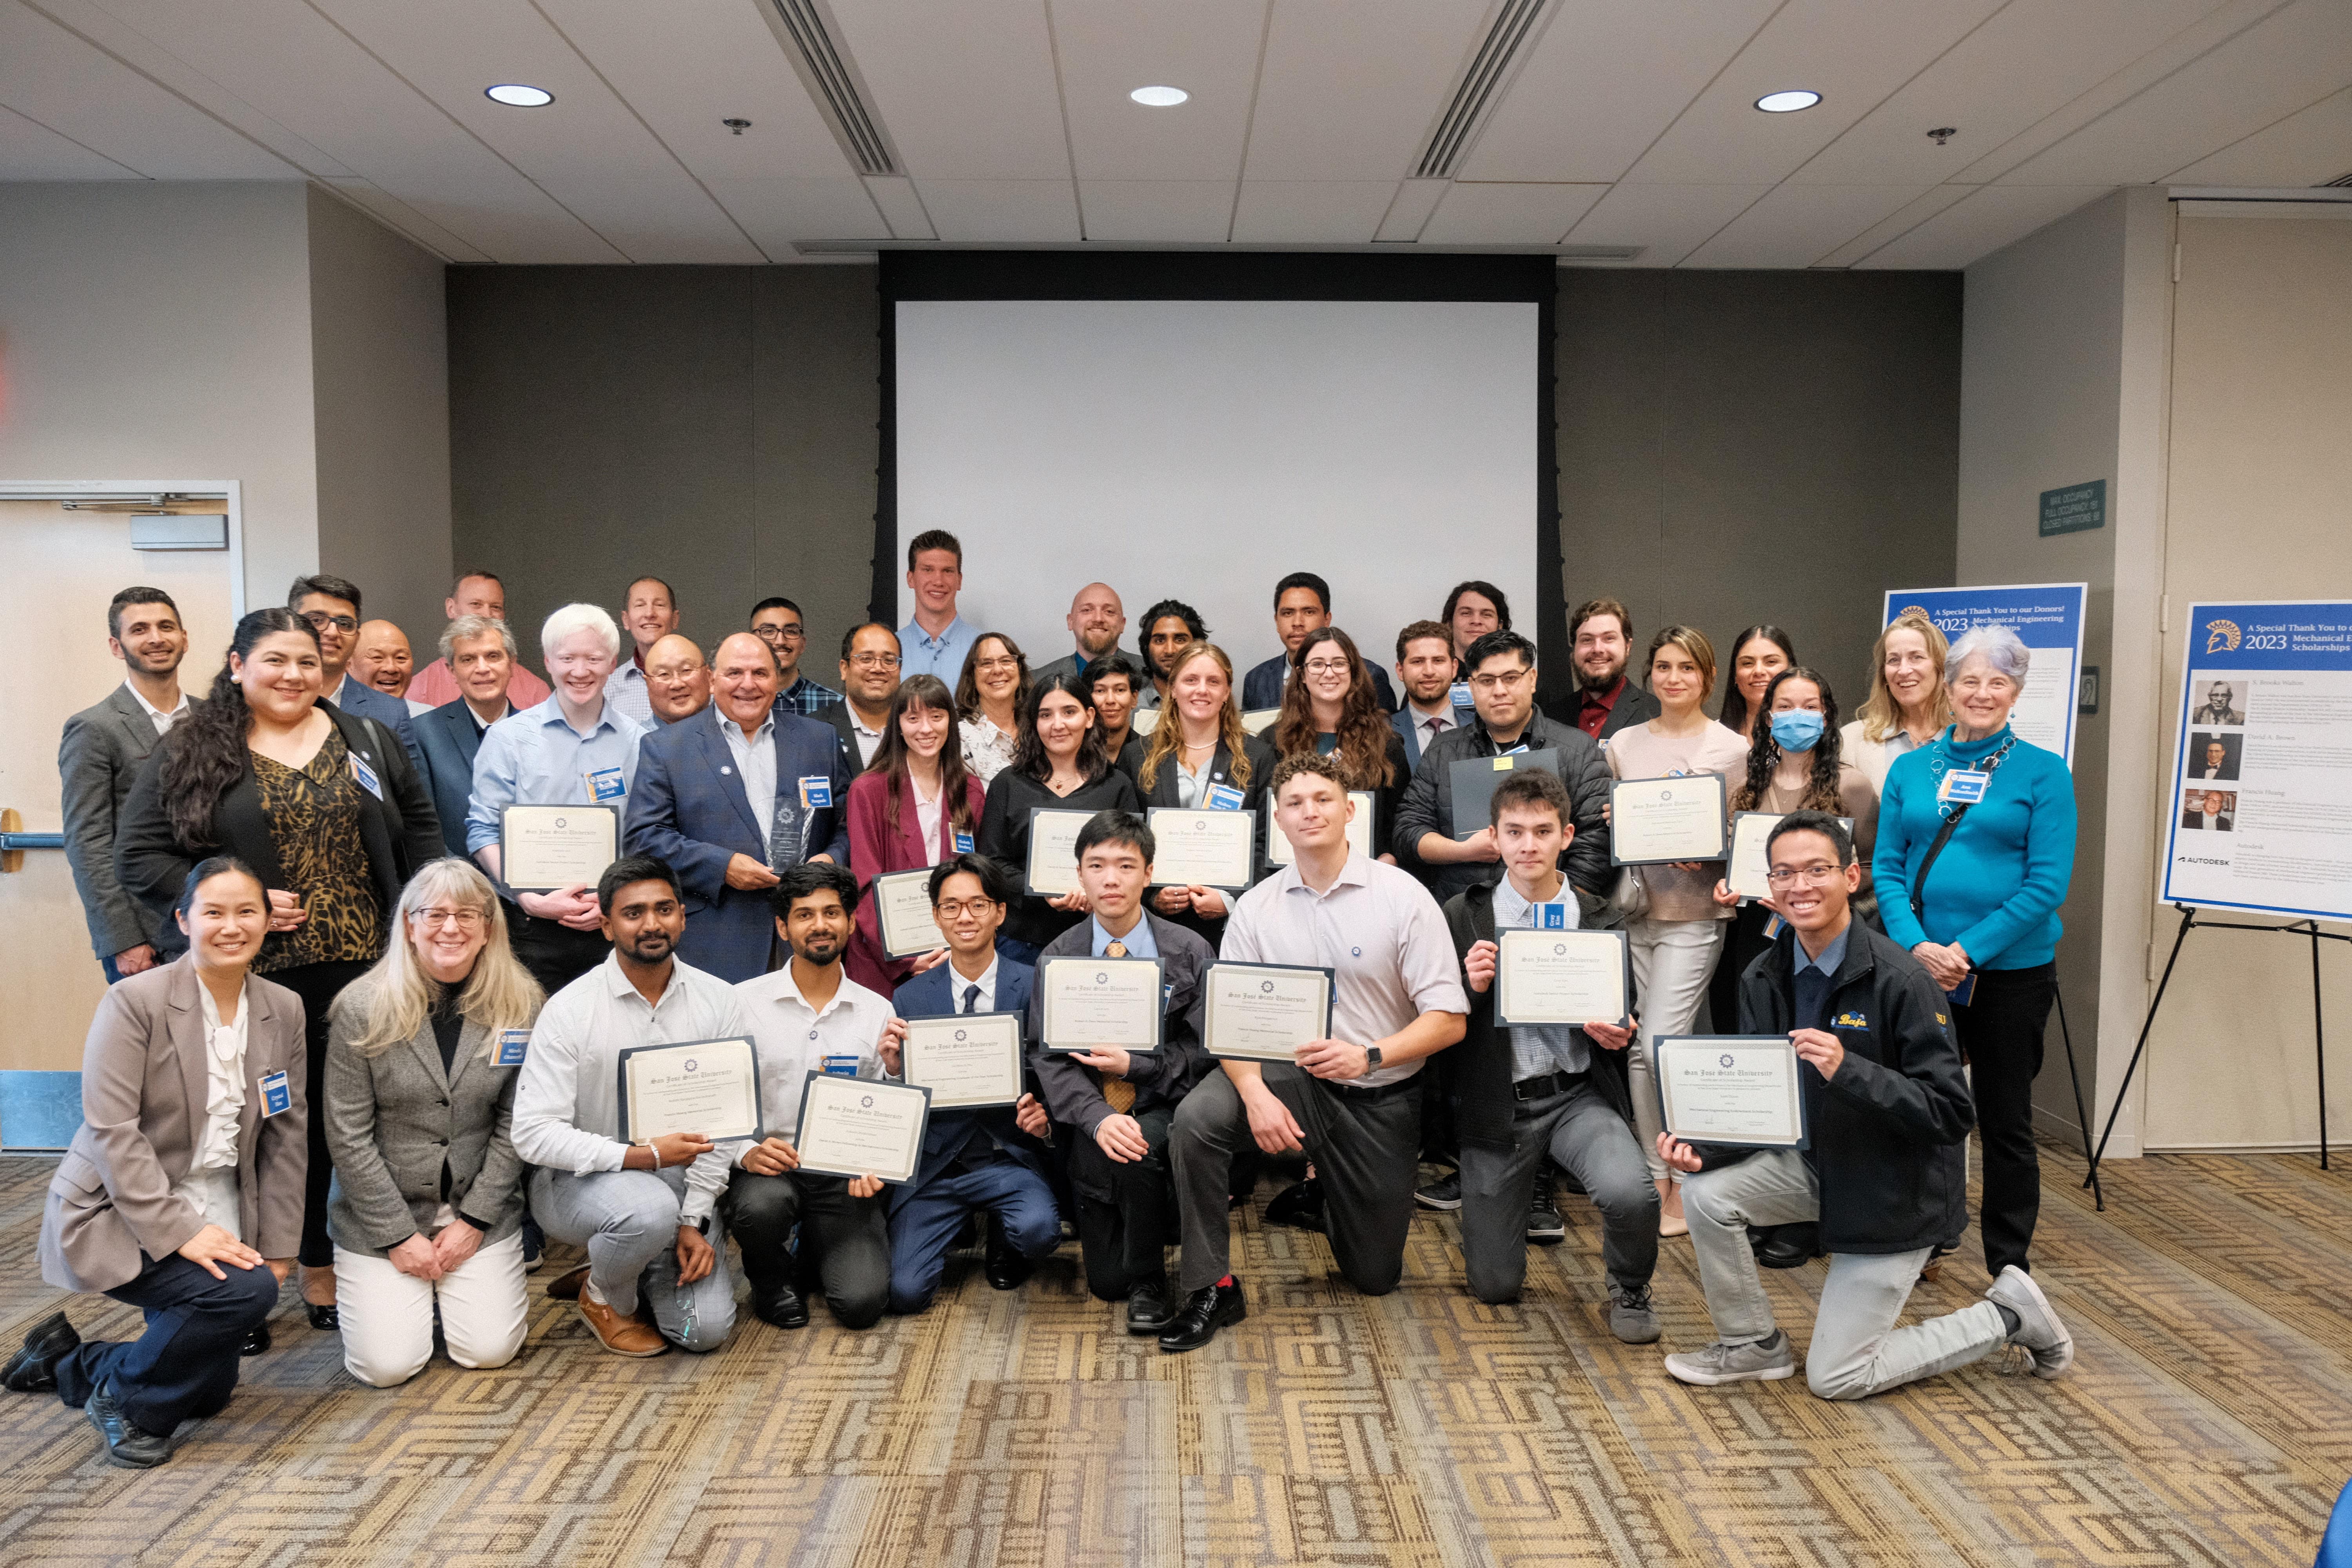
(919, 653)
(536, 758)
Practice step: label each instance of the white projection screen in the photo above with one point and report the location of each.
(1200, 449)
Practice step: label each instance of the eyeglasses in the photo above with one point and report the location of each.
(991, 666)
(1503, 682)
(779, 634)
(956, 909)
(1326, 667)
(434, 920)
(1819, 876)
(875, 660)
(320, 621)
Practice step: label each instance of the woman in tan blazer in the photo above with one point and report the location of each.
(182, 1194)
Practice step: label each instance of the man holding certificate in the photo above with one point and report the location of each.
(809, 1018)
(1885, 1112)
(1122, 1103)
(1540, 1071)
(642, 1206)
(1349, 1100)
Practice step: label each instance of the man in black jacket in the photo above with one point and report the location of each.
(1886, 1112)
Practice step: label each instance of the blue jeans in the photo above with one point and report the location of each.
(185, 1363)
(926, 1224)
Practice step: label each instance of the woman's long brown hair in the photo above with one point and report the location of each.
(1364, 731)
(890, 756)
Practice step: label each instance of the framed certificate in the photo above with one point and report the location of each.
(1053, 867)
(1562, 977)
(1742, 1092)
(902, 903)
(1473, 780)
(1264, 1012)
(1090, 1002)
(1654, 821)
(542, 848)
(711, 1087)
(862, 1127)
(1279, 851)
(967, 1058)
(1203, 849)
(1258, 720)
(1748, 864)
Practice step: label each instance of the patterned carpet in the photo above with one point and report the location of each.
(2207, 1421)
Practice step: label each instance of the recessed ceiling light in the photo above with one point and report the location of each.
(1160, 96)
(1788, 103)
(515, 94)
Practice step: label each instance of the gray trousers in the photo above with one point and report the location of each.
(1366, 1152)
(1856, 1349)
(1584, 1132)
(628, 1222)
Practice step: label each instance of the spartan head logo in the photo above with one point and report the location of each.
(2221, 636)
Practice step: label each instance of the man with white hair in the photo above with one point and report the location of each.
(575, 749)
(1096, 621)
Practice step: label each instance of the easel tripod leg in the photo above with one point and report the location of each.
(2082, 1116)
(2188, 919)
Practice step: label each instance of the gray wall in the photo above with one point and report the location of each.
(715, 425)
(1746, 447)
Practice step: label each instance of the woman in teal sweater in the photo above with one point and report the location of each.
(1984, 922)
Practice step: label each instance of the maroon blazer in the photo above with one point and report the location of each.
(877, 850)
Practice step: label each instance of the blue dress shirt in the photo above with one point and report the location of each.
(536, 758)
(919, 653)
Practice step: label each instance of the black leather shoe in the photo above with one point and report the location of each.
(257, 1341)
(128, 1444)
(1205, 1310)
(1299, 1204)
(34, 1369)
(1445, 1192)
(1151, 1307)
(1545, 1226)
(324, 1318)
(786, 1308)
(1789, 1246)
(1006, 1269)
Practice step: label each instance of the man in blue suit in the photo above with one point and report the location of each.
(732, 798)
(480, 654)
(1302, 603)
(332, 605)
(980, 1161)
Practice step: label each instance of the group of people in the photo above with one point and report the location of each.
(339, 1040)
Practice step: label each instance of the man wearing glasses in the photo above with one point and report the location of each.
(778, 623)
(870, 678)
(332, 605)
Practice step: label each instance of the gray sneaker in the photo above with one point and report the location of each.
(1766, 1360)
(1632, 1318)
(2043, 1337)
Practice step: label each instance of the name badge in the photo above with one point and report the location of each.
(963, 843)
(513, 1044)
(816, 791)
(366, 776)
(1551, 917)
(1963, 786)
(1774, 927)
(1460, 693)
(277, 1094)
(1515, 751)
(1221, 797)
(606, 783)
(841, 1067)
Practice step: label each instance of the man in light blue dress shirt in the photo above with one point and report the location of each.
(937, 640)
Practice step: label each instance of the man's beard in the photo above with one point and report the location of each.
(1585, 681)
(821, 957)
(649, 947)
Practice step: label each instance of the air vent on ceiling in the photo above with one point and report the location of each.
(827, 72)
(1481, 86)
(2343, 179)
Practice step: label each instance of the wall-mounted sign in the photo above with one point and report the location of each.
(2075, 509)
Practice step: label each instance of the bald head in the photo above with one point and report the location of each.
(380, 658)
(677, 680)
(744, 678)
(1097, 620)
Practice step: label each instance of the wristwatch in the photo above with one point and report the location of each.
(1371, 1058)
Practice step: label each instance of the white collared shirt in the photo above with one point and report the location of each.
(1538, 1048)
(867, 740)
(755, 757)
(794, 1039)
(626, 689)
(223, 1082)
(956, 985)
(156, 716)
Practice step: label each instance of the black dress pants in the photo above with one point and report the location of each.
(318, 984)
(185, 1363)
(1127, 1210)
(555, 954)
(2000, 1032)
(844, 1241)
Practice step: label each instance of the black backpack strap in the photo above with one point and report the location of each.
(1919, 880)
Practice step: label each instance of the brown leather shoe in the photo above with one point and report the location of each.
(566, 1287)
(622, 1336)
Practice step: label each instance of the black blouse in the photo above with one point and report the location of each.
(1005, 838)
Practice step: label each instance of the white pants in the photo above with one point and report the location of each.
(387, 1316)
(1673, 960)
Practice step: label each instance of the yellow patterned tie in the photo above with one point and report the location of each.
(1116, 1091)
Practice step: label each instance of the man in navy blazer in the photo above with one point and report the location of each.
(479, 653)
(732, 798)
(1302, 603)
(984, 1160)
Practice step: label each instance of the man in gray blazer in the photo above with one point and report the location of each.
(98, 756)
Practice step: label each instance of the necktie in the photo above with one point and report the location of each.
(1117, 949)
(1116, 1091)
(971, 997)
(1437, 728)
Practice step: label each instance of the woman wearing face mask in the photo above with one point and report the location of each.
(1059, 765)
(1907, 703)
(1331, 708)
(1759, 654)
(915, 804)
(1199, 758)
(989, 695)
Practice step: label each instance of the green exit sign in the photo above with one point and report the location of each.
(2076, 508)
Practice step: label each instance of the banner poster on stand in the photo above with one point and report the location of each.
(2258, 796)
(2047, 618)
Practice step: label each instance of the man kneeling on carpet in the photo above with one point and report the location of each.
(1888, 1112)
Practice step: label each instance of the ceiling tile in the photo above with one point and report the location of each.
(1508, 214)
(2311, 148)
(1311, 212)
(779, 213)
(1796, 226)
(401, 218)
(1901, 221)
(967, 90)
(1156, 211)
(979, 211)
(1991, 217)
(1351, 88)
(1415, 200)
(902, 206)
(1109, 48)
(31, 151)
(1604, 80)
(1668, 222)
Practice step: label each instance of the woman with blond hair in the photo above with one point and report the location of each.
(426, 1208)
(1201, 759)
(1907, 704)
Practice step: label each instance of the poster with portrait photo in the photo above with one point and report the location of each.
(2209, 810)
(2220, 700)
(2213, 756)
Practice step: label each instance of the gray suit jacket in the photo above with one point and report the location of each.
(144, 1082)
(98, 756)
(1072, 1092)
(396, 1121)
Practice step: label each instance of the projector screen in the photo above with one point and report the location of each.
(1200, 449)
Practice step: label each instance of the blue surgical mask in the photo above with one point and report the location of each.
(1797, 728)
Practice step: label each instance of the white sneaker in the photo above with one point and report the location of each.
(1766, 1360)
(2043, 1337)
